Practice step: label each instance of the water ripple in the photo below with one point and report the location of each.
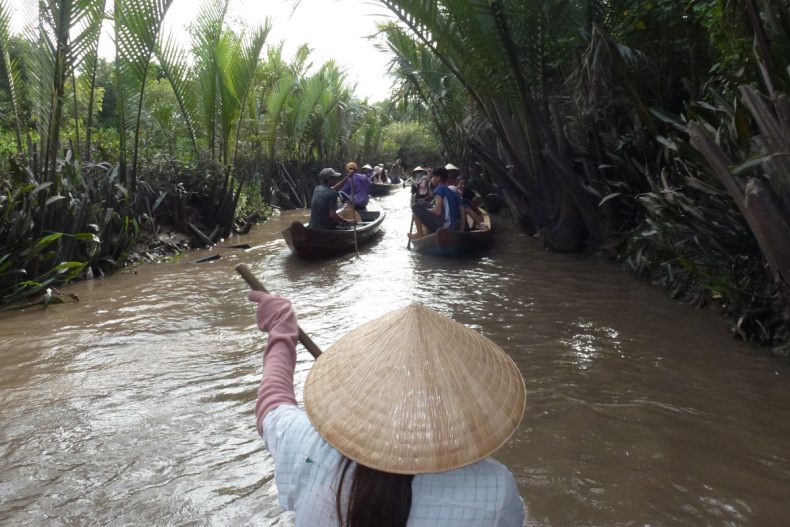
(135, 406)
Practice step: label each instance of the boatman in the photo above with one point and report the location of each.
(354, 187)
(322, 208)
(400, 417)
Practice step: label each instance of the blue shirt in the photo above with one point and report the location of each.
(451, 206)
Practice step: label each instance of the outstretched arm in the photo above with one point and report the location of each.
(339, 185)
(276, 316)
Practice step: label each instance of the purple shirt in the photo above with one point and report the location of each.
(361, 188)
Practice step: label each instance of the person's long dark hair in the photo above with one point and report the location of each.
(375, 498)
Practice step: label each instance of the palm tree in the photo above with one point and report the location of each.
(137, 25)
(65, 33)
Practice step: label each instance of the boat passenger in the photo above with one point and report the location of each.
(354, 187)
(379, 174)
(421, 185)
(453, 173)
(387, 177)
(470, 208)
(445, 212)
(322, 207)
(367, 170)
(400, 417)
(376, 176)
(383, 173)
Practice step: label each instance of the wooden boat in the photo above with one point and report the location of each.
(381, 189)
(445, 242)
(307, 242)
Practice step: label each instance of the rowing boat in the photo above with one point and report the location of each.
(307, 242)
(381, 189)
(446, 242)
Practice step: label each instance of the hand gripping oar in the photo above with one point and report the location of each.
(255, 285)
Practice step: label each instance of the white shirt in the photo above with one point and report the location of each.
(306, 473)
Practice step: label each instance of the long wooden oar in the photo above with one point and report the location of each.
(354, 215)
(255, 285)
(411, 228)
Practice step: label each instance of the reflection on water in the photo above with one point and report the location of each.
(134, 406)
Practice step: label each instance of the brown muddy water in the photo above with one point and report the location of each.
(135, 405)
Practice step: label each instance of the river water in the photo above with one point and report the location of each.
(135, 405)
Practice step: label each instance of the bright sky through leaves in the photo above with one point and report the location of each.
(334, 29)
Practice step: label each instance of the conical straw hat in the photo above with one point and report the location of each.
(414, 392)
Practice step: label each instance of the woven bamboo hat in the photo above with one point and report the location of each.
(414, 392)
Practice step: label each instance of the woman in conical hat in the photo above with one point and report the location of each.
(401, 416)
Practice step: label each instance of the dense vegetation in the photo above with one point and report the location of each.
(658, 131)
(101, 159)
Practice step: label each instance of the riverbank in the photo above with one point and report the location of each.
(163, 245)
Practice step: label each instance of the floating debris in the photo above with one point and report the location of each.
(207, 259)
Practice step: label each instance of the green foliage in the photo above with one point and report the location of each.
(412, 142)
(97, 157)
(31, 261)
(588, 104)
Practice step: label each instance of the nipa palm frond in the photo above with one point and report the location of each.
(173, 61)
(206, 37)
(275, 105)
(137, 25)
(10, 69)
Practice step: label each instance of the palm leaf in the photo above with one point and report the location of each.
(10, 69)
(137, 25)
(173, 61)
(275, 105)
(243, 70)
(206, 37)
(62, 35)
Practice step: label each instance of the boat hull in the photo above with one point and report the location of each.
(445, 242)
(381, 189)
(306, 242)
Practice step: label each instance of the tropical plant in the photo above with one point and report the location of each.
(64, 215)
(137, 25)
(576, 104)
(412, 142)
(495, 51)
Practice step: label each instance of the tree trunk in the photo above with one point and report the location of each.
(581, 198)
(569, 233)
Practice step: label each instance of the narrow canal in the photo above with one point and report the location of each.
(135, 405)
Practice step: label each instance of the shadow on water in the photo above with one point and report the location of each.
(135, 405)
